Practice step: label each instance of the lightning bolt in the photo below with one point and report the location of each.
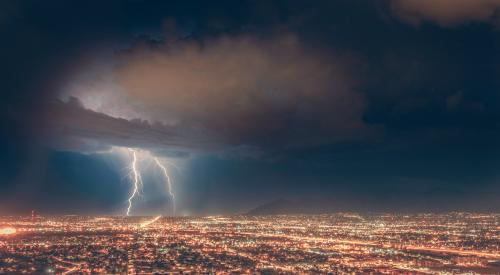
(169, 184)
(136, 178)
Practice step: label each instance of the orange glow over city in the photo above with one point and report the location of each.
(7, 231)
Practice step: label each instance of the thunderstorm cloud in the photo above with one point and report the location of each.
(69, 126)
(447, 13)
(239, 91)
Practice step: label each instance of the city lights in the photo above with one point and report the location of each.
(343, 243)
(7, 231)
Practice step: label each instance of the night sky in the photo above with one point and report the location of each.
(339, 105)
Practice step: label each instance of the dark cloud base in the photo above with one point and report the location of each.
(68, 125)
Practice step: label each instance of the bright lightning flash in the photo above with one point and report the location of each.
(136, 177)
(169, 184)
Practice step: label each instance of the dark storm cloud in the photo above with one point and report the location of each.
(447, 13)
(248, 90)
(241, 92)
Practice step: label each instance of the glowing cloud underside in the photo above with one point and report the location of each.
(169, 184)
(136, 179)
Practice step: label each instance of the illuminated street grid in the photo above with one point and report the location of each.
(340, 243)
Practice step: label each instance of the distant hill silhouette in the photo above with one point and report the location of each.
(277, 207)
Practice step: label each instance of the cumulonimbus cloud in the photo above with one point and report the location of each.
(247, 90)
(447, 13)
(241, 92)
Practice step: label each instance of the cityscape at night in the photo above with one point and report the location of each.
(250, 137)
(344, 243)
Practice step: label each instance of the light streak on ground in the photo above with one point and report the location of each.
(76, 266)
(146, 223)
(169, 184)
(136, 180)
(69, 271)
(66, 262)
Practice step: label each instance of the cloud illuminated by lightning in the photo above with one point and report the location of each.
(136, 180)
(169, 184)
